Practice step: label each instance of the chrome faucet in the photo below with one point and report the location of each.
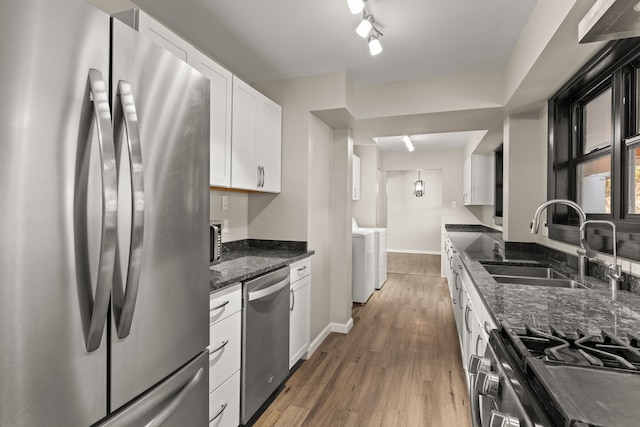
(582, 253)
(614, 271)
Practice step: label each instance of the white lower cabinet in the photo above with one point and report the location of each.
(224, 409)
(225, 344)
(299, 305)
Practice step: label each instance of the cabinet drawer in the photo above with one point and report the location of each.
(224, 403)
(300, 269)
(224, 303)
(224, 349)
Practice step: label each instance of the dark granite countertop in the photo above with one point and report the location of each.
(250, 258)
(590, 310)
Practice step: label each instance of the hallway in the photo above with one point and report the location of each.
(399, 366)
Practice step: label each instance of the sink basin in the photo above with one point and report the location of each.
(523, 271)
(540, 281)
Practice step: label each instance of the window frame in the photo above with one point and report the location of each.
(616, 66)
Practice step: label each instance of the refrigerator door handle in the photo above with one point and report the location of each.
(181, 396)
(102, 115)
(124, 301)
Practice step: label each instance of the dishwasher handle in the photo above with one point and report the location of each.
(265, 292)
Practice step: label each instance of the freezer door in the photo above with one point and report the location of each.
(51, 213)
(167, 324)
(179, 401)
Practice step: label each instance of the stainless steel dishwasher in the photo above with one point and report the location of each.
(265, 339)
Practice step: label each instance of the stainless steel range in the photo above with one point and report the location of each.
(534, 378)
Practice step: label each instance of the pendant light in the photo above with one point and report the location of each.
(418, 186)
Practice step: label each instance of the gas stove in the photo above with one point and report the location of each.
(566, 378)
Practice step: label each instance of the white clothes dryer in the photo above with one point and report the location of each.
(379, 252)
(362, 265)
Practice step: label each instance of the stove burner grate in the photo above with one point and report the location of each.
(577, 348)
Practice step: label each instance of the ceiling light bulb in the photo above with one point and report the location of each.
(374, 45)
(365, 26)
(355, 6)
(408, 143)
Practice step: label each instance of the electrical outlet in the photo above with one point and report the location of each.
(454, 205)
(225, 203)
(545, 229)
(225, 225)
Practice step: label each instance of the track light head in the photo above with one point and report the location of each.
(365, 26)
(374, 44)
(356, 6)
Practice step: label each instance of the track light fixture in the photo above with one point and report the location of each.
(356, 6)
(366, 26)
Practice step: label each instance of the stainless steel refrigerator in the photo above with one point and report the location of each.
(104, 214)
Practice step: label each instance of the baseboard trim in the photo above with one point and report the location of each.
(331, 327)
(411, 251)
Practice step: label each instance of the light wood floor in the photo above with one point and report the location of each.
(399, 366)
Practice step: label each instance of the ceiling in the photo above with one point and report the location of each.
(278, 39)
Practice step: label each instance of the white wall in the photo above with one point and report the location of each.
(364, 210)
(237, 213)
(525, 165)
(320, 142)
(414, 223)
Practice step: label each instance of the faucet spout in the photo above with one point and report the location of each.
(535, 225)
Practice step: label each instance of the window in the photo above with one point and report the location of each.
(594, 149)
(633, 177)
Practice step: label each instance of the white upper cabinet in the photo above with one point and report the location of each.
(478, 176)
(355, 191)
(220, 81)
(245, 125)
(268, 149)
(256, 140)
(244, 169)
(163, 36)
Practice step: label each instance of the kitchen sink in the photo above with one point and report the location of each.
(540, 281)
(523, 271)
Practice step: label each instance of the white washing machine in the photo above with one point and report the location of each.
(379, 252)
(362, 243)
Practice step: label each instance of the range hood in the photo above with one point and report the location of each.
(610, 20)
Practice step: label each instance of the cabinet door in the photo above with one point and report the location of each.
(269, 141)
(220, 81)
(466, 182)
(244, 173)
(163, 36)
(299, 321)
(355, 195)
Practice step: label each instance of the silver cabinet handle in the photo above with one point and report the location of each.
(220, 411)
(263, 176)
(258, 172)
(99, 307)
(467, 310)
(220, 347)
(455, 280)
(222, 304)
(268, 291)
(478, 340)
(293, 300)
(181, 396)
(124, 302)
(303, 268)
